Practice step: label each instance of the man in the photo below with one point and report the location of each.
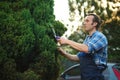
(92, 53)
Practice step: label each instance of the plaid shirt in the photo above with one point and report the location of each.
(97, 45)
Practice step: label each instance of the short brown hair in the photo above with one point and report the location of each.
(96, 19)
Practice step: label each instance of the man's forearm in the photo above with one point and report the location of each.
(69, 56)
(78, 46)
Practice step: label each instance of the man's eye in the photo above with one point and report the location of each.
(86, 20)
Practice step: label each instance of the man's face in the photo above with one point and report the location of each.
(88, 23)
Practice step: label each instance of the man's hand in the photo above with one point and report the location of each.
(62, 40)
(61, 51)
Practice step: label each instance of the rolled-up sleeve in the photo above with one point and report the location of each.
(96, 44)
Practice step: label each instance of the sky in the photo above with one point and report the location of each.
(61, 10)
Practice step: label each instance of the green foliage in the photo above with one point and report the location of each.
(3, 56)
(59, 29)
(27, 45)
(8, 70)
(30, 75)
(46, 66)
(111, 29)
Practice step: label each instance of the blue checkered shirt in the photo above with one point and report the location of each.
(97, 46)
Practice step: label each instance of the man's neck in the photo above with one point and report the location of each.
(91, 32)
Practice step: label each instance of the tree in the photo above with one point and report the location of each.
(27, 45)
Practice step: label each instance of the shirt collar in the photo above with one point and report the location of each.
(92, 34)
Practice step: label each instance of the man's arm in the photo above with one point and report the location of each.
(78, 46)
(75, 45)
(69, 56)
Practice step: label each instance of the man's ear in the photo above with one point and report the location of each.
(95, 24)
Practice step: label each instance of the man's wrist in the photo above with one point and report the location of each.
(68, 42)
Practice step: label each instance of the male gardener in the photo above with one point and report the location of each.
(92, 53)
